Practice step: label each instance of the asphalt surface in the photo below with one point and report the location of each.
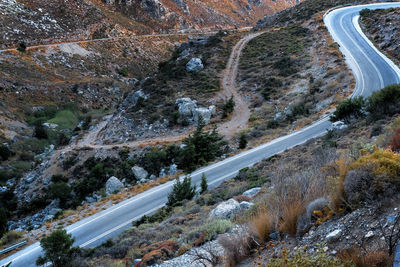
(372, 71)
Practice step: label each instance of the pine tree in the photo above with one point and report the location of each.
(204, 184)
(242, 141)
(181, 191)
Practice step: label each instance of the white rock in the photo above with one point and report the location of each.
(334, 236)
(226, 210)
(205, 113)
(113, 185)
(252, 192)
(370, 234)
(339, 125)
(194, 65)
(139, 172)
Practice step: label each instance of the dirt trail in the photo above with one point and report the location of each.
(237, 122)
(241, 114)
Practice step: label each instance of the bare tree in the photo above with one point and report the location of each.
(392, 236)
(205, 255)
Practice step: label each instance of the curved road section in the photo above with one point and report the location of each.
(372, 71)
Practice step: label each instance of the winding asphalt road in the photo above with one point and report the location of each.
(372, 71)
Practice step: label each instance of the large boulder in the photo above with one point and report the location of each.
(139, 172)
(205, 113)
(186, 107)
(173, 169)
(194, 65)
(226, 210)
(113, 185)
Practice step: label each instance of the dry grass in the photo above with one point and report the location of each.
(261, 224)
(291, 212)
(371, 259)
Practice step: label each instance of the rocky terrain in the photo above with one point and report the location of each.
(381, 26)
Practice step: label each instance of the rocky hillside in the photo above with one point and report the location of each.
(35, 21)
(183, 15)
(382, 28)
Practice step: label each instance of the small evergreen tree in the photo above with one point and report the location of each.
(57, 249)
(228, 107)
(204, 184)
(181, 191)
(242, 141)
(349, 108)
(22, 47)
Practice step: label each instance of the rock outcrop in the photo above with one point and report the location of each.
(113, 185)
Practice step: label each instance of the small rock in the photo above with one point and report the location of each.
(273, 236)
(252, 192)
(339, 125)
(334, 236)
(152, 177)
(370, 234)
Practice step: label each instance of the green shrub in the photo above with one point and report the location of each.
(204, 184)
(181, 191)
(365, 12)
(211, 229)
(242, 141)
(5, 152)
(228, 107)
(348, 109)
(123, 72)
(154, 160)
(302, 258)
(57, 249)
(60, 191)
(200, 148)
(40, 132)
(22, 166)
(384, 102)
(10, 237)
(65, 119)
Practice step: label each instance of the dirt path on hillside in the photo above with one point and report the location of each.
(237, 122)
(241, 113)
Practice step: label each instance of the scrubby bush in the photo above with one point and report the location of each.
(3, 221)
(5, 152)
(242, 141)
(10, 237)
(302, 258)
(61, 191)
(228, 107)
(40, 132)
(57, 249)
(204, 184)
(372, 176)
(384, 102)
(154, 160)
(348, 109)
(395, 145)
(182, 190)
